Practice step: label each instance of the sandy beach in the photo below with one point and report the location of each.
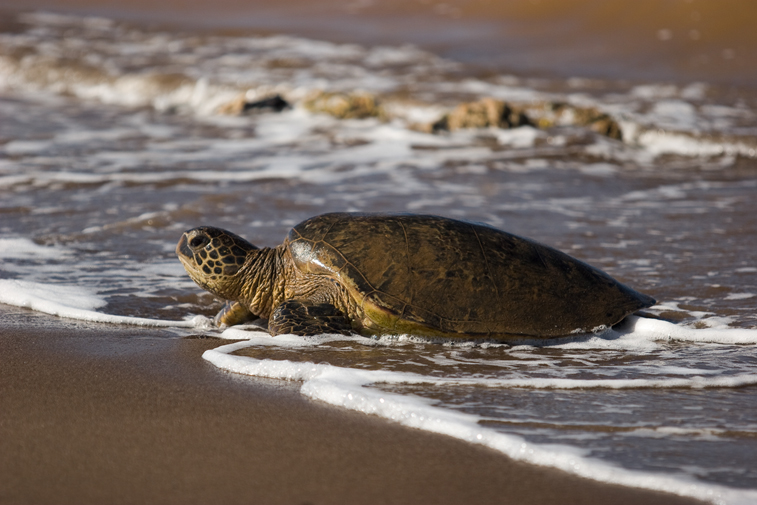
(96, 414)
(116, 136)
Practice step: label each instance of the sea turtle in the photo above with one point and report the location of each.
(404, 274)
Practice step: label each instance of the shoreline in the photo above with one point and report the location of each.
(108, 414)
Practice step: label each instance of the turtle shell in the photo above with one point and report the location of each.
(439, 276)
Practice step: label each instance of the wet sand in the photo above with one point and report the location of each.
(97, 414)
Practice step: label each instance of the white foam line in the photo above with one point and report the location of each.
(345, 388)
(267, 368)
(51, 299)
(695, 382)
(655, 329)
(637, 333)
(43, 178)
(98, 317)
(287, 168)
(658, 143)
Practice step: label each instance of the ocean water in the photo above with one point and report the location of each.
(115, 138)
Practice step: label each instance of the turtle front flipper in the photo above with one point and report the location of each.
(304, 318)
(234, 313)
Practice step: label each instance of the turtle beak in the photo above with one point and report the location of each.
(182, 248)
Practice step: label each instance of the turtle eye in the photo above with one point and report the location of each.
(198, 242)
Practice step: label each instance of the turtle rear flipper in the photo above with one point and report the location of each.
(234, 313)
(304, 318)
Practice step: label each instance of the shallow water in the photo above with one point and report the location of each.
(111, 145)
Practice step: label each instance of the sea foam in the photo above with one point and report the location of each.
(76, 302)
(347, 387)
(15, 248)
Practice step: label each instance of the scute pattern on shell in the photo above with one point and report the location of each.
(459, 277)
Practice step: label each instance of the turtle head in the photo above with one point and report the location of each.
(213, 259)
